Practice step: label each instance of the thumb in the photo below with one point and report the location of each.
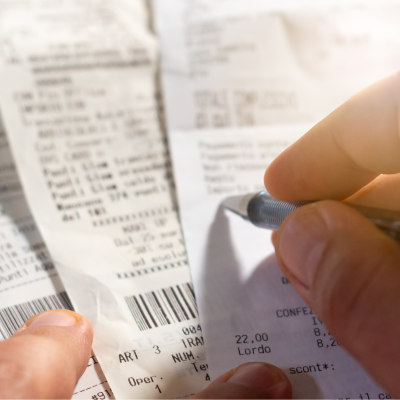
(348, 271)
(46, 356)
(249, 381)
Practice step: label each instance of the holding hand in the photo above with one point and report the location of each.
(343, 266)
(45, 358)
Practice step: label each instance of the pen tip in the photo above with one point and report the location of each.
(238, 204)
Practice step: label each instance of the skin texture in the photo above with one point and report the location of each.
(249, 381)
(44, 362)
(345, 151)
(344, 267)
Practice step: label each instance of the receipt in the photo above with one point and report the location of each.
(242, 81)
(249, 310)
(252, 62)
(29, 282)
(78, 98)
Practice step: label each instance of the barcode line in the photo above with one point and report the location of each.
(177, 304)
(11, 318)
(148, 311)
(10, 323)
(189, 291)
(163, 307)
(162, 310)
(141, 312)
(138, 317)
(170, 304)
(158, 309)
(23, 315)
(180, 305)
(186, 302)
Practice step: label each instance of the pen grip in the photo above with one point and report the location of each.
(266, 212)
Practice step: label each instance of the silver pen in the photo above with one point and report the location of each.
(267, 212)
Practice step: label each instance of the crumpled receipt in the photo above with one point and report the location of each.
(79, 102)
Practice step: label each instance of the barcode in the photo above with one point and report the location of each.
(163, 307)
(11, 318)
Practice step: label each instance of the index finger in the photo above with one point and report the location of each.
(345, 151)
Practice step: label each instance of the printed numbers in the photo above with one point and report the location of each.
(258, 337)
(333, 343)
(261, 337)
(158, 388)
(241, 339)
(102, 396)
(157, 350)
(319, 332)
(191, 329)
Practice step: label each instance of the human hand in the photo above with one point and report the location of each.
(249, 381)
(50, 352)
(45, 358)
(343, 266)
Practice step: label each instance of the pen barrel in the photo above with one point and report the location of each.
(266, 212)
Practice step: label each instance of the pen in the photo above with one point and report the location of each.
(267, 212)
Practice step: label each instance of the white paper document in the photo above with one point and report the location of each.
(79, 101)
(249, 311)
(29, 282)
(255, 62)
(281, 66)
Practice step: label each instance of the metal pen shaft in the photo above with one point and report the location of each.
(267, 212)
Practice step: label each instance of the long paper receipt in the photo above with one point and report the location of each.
(29, 283)
(79, 101)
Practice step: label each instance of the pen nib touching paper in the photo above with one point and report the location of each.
(238, 204)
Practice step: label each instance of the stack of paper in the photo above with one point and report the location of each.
(82, 109)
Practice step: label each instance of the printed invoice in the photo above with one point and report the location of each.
(254, 62)
(244, 63)
(249, 311)
(78, 97)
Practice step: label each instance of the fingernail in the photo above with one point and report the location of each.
(54, 318)
(257, 375)
(302, 243)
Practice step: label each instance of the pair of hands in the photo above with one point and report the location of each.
(345, 268)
